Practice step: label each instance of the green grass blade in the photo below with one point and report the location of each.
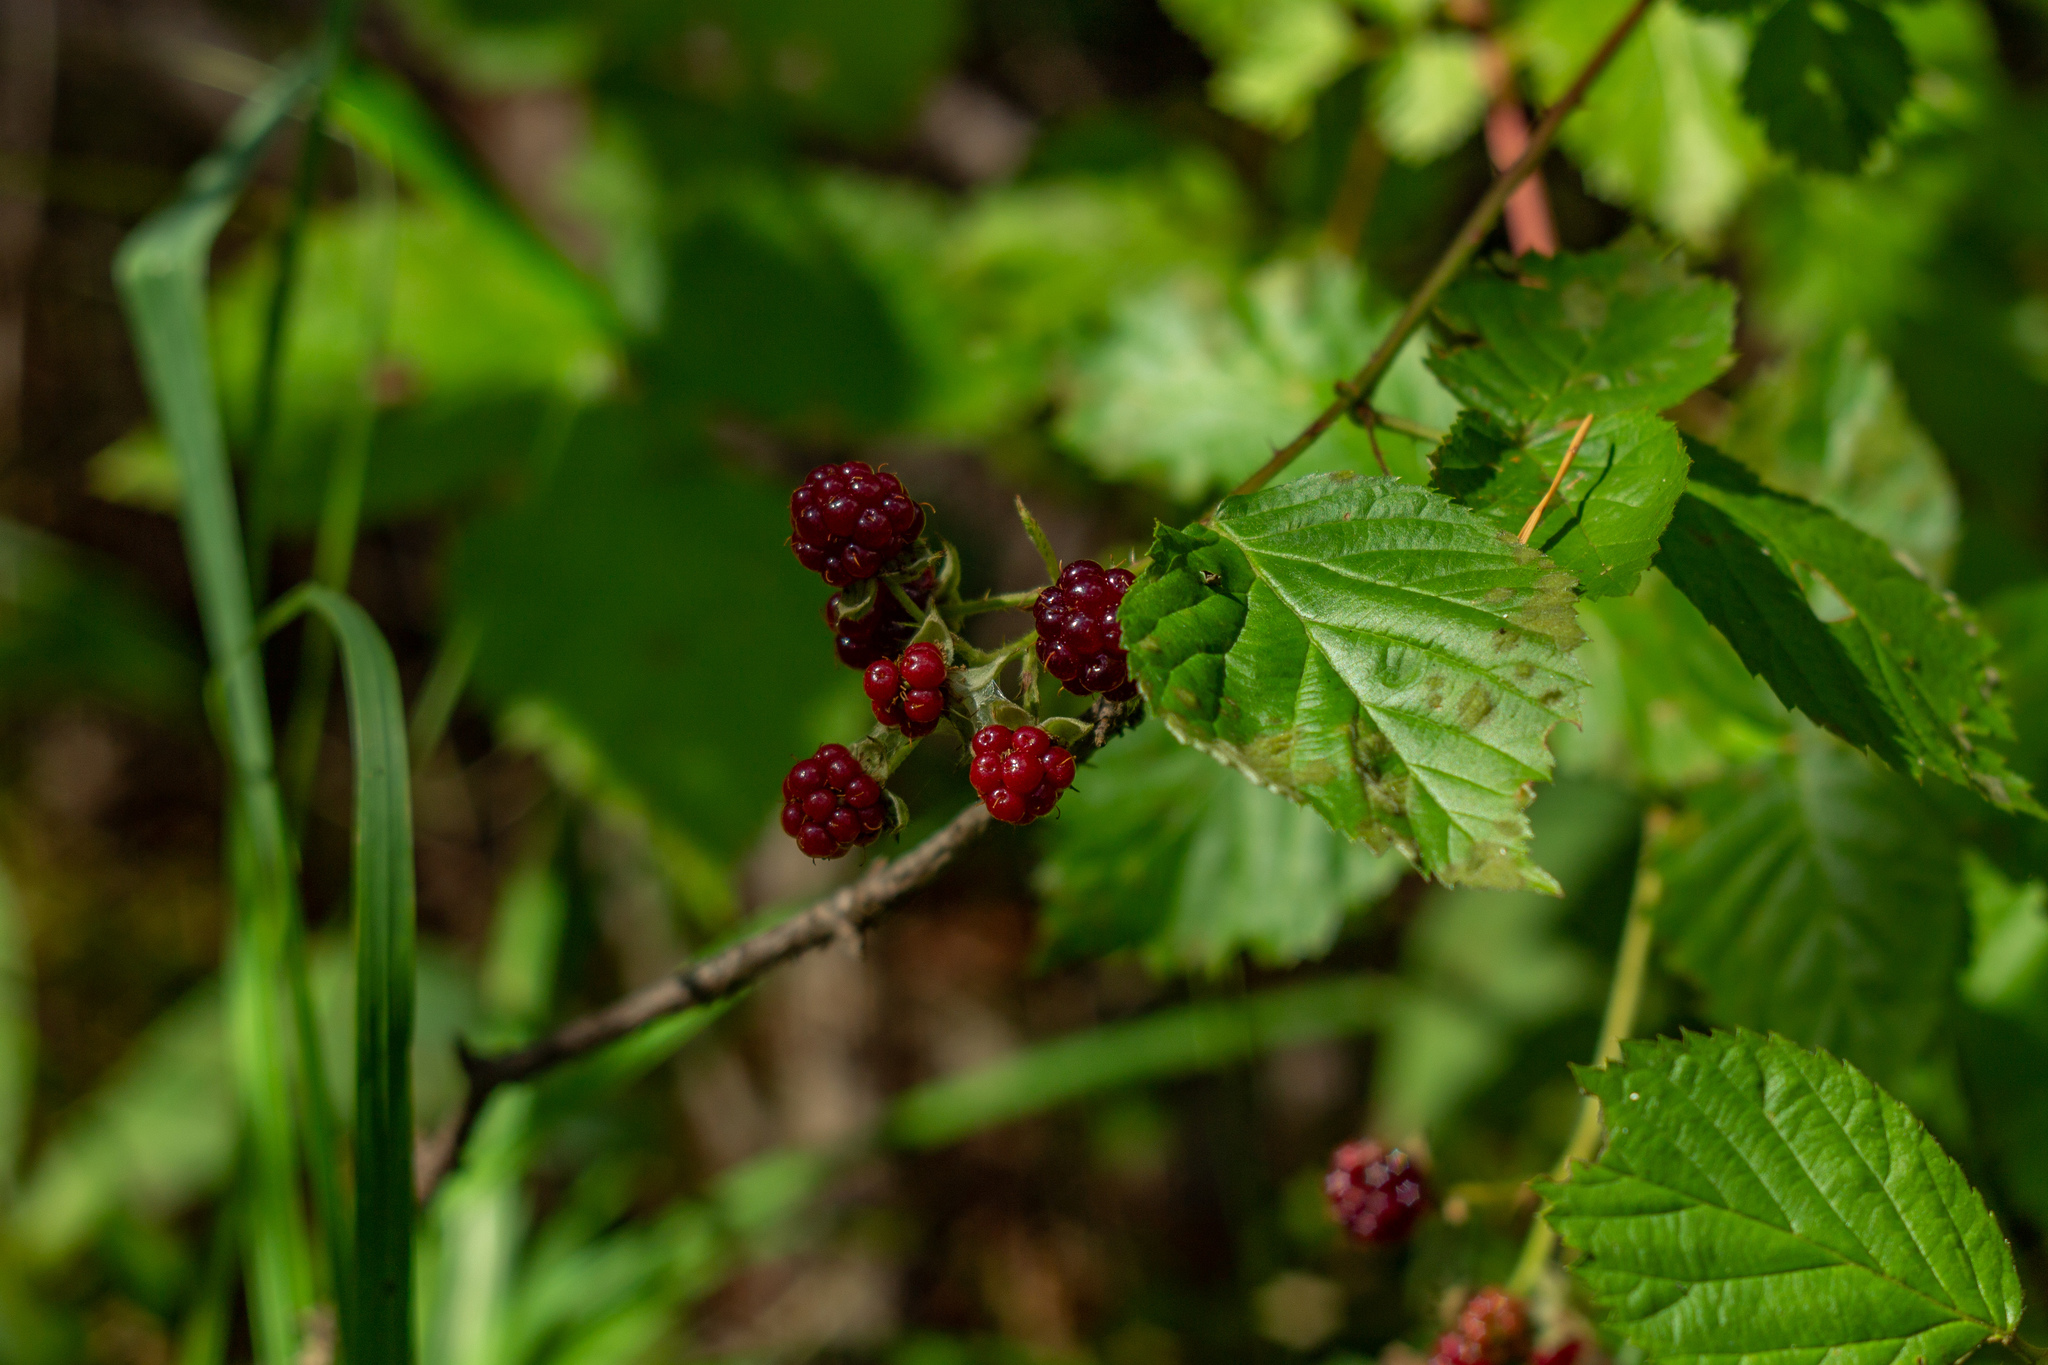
(1173, 1042)
(381, 1309)
(160, 272)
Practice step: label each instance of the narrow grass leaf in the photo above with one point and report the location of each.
(384, 927)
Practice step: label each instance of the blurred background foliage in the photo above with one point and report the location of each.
(590, 285)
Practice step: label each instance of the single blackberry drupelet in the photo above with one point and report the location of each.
(848, 520)
(830, 804)
(1019, 773)
(910, 693)
(1493, 1329)
(883, 631)
(1079, 640)
(1375, 1191)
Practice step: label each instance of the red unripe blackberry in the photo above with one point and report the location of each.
(830, 804)
(1079, 640)
(1564, 1353)
(883, 631)
(909, 694)
(1495, 1328)
(1019, 774)
(1375, 1191)
(848, 520)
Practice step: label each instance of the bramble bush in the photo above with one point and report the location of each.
(1535, 619)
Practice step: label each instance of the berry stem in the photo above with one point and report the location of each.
(904, 599)
(981, 606)
(1461, 249)
(1624, 994)
(726, 973)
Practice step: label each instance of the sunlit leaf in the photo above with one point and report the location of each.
(1759, 1201)
(1663, 130)
(1373, 650)
(1551, 340)
(1841, 629)
(1272, 56)
(1610, 509)
(1198, 384)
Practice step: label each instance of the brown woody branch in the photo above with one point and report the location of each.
(839, 917)
(1357, 392)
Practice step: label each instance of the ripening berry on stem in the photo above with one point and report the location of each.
(848, 520)
(1376, 1192)
(883, 631)
(1493, 1329)
(908, 694)
(830, 804)
(1079, 639)
(1019, 774)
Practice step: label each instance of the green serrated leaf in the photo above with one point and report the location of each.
(1827, 78)
(1841, 628)
(1821, 901)
(1197, 384)
(1610, 509)
(1371, 649)
(1606, 332)
(1758, 1202)
(1271, 56)
(1831, 424)
(1662, 131)
(1158, 848)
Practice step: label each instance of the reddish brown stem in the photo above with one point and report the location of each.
(1359, 389)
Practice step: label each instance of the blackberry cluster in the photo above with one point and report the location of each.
(1079, 641)
(1493, 1329)
(909, 694)
(883, 632)
(1377, 1192)
(1018, 773)
(830, 804)
(848, 520)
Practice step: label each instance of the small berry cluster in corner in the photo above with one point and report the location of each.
(897, 617)
(1375, 1192)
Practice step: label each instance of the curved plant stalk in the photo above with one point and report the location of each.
(378, 1323)
(1624, 995)
(160, 272)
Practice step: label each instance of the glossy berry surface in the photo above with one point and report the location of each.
(848, 520)
(909, 692)
(1377, 1192)
(883, 631)
(830, 804)
(1079, 640)
(1019, 774)
(1493, 1329)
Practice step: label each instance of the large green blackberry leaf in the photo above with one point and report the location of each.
(1373, 650)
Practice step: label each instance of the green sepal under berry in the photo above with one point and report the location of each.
(1609, 511)
(1842, 629)
(1371, 649)
(1758, 1202)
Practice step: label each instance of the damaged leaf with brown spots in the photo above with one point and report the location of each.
(1373, 650)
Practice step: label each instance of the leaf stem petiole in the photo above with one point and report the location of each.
(1624, 994)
